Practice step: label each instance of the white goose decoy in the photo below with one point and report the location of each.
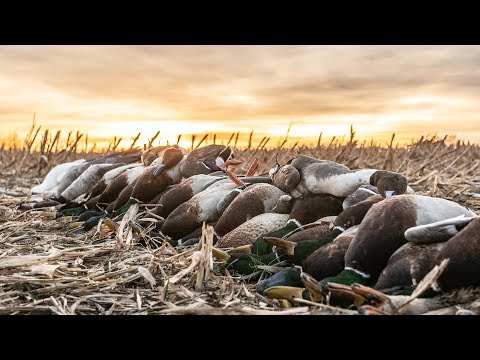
(53, 177)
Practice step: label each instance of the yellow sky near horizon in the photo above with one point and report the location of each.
(122, 90)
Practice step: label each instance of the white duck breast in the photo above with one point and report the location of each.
(438, 231)
(430, 210)
(174, 173)
(189, 215)
(112, 174)
(86, 181)
(53, 177)
(250, 230)
(133, 174)
(340, 185)
(208, 200)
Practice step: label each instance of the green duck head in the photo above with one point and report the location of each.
(76, 211)
(348, 276)
(92, 222)
(287, 277)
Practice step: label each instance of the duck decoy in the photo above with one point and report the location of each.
(382, 231)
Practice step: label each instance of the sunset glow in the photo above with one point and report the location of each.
(119, 91)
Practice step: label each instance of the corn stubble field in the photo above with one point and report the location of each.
(48, 268)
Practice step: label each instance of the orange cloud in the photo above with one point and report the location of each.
(121, 90)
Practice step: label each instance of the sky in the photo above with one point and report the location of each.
(122, 90)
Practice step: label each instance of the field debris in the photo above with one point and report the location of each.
(48, 267)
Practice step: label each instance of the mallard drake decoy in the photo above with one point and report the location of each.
(329, 258)
(286, 252)
(304, 211)
(254, 200)
(154, 179)
(463, 252)
(382, 231)
(123, 197)
(314, 231)
(250, 230)
(115, 187)
(287, 277)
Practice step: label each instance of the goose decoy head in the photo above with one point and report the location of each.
(389, 183)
